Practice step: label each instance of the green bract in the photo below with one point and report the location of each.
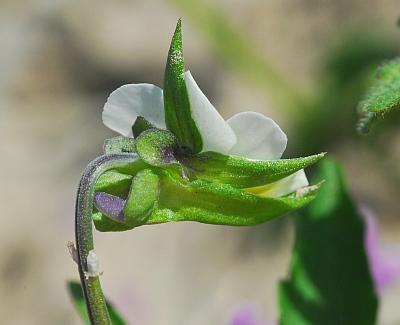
(188, 163)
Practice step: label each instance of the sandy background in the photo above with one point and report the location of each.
(58, 61)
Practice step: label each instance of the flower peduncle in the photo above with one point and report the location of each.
(95, 301)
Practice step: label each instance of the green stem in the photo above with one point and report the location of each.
(95, 301)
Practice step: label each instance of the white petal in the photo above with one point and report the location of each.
(282, 187)
(215, 132)
(258, 137)
(128, 102)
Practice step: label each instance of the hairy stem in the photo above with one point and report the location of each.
(95, 301)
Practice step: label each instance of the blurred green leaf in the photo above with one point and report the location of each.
(329, 280)
(382, 97)
(75, 291)
(346, 71)
(176, 99)
(356, 53)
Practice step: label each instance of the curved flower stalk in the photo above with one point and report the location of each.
(179, 160)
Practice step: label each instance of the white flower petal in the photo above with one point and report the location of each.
(128, 102)
(215, 132)
(258, 137)
(282, 187)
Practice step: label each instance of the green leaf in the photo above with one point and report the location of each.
(178, 116)
(242, 172)
(119, 144)
(329, 279)
(382, 97)
(75, 291)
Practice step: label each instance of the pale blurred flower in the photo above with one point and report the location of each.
(384, 259)
(247, 315)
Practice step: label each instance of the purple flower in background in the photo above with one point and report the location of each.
(247, 315)
(384, 263)
(384, 260)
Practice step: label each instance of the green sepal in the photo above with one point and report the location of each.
(178, 116)
(216, 203)
(159, 148)
(142, 198)
(103, 223)
(140, 193)
(119, 144)
(76, 294)
(113, 182)
(382, 97)
(160, 197)
(241, 172)
(132, 168)
(140, 125)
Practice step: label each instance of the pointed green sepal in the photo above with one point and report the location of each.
(178, 116)
(242, 172)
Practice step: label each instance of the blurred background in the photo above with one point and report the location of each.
(304, 63)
